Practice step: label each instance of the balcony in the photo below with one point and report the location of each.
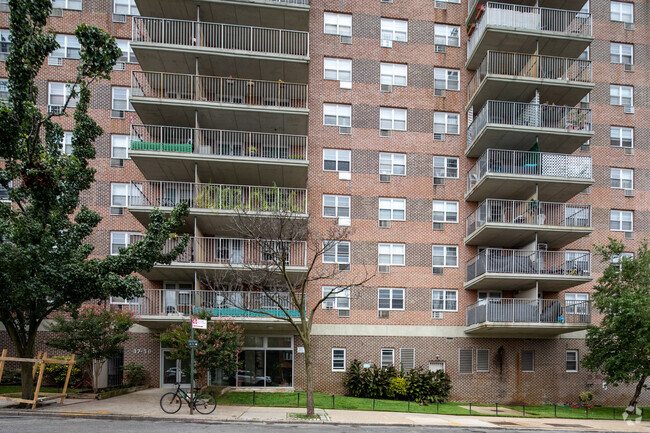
(251, 158)
(222, 49)
(215, 205)
(512, 174)
(508, 269)
(527, 29)
(516, 77)
(231, 103)
(514, 223)
(515, 125)
(520, 317)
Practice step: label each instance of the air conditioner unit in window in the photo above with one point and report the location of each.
(117, 210)
(344, 313)
(383, 314)
(585, 148)
(117, 114)
(438, 226)
(117, 162)
(345, 130)
(628, 109)
(119, 66)
(328, 304)
(347, 85)
(383, 269)
(440, 5)
(629, 235)
(384, 178)
(385, 133)
(343, 221)
(345, 175)
(440, 92)
(436, 314)
(438, 180)
(437, 270)
(440, 49)
(438, 137)
(346, 39)
(386, 88)
(344, 266)
(384, 224)
(54, 109)
(628, 26)
(628, 193)
(628, 151)
(55, 61)
(57, 12)
(386, 43)
(628, 67)
(119, 18)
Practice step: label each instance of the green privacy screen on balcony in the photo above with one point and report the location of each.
(240, 312)
(161, 147)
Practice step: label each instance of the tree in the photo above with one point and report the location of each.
(93, 333)
(44, 253)
(619, 347)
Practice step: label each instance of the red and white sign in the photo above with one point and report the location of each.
(199, 324)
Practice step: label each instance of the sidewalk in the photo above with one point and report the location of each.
(144, 405)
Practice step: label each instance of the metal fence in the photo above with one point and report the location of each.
(518, 310)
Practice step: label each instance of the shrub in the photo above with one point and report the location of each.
(56, 373)
(11, 377)
(586, 397)
(134, 375)
(354, 381)
(397, 388)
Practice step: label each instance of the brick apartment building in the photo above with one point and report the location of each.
(476, 151)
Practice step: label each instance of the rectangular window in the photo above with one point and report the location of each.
(127, 52)
(338, 359)
(5, 44)
(621, 220)
(622, 178)
(391, 254)
(338, 24)
(444, 300)
(444, 166)
(120, 146)
(576, 303)
(620, 136)
(387, 357)
(337, 114)
(447, 35)
(120, 101)
(119, 194)
(4, 194)
(482, 360)
(446, 123)
(67, 4)
(527, 360)
(394, 30)
(623, 12)
(125, 7)
(392, 209)
(69, 47)
(336, 252)
(337, 69)
(621, 95)
(466, 361)
(617, 259)
(120, 240)
(58, 93)
(66, 143)
(338, 298)
(488, 295)
(445, 256)
(445, 211)
(392, 118)
(390, 299)
(336, 160)
(571, 361)
(407, 359)
(621, 53)
(393, 74)
(392, 163)
(446, 79)
(336, 206)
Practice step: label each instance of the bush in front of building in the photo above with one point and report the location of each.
(134, 375)
(56, 373)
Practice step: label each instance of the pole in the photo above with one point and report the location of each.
(191, 369)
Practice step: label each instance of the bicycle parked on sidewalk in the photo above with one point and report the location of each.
(171, 402)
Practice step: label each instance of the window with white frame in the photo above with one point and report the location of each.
(394, 30)
(392, 118)
(120, 240)
(391, 254)
(58, 93)
(66, 143)
(121, 99)
(571, 361)
(577, 262)
(393, 74)
(623, 12)
(4, 193)
(446, 79)
(336, 252)
(621, 220)
(621, 178)
(444, 166)
(390, 299)
(584, 56)
(5, 44)
(119, 146)
(338, 24)
(527, 360)
(482, 360)
(127, 52)
(392, 163)
(125, 7)
(69, 47)
(444, 300)
(446, 123)
(445, 256)
(447, 35)
(576, 303)
(488, 295)
(336, 160)
(67, 4)
(621, 95)
(445, 211)
(617, 259)
(337, 69)
(450, 1)
(392, 209)
(338, 359)
(337, 298)
(119, 194)
(336, 206)
(466, 361)
(4, 89)
(387, 357)
(620, 136)
(337, 114)
(621, 53)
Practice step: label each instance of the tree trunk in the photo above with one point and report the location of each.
(26, 378)
(309, 373)
(639, 387)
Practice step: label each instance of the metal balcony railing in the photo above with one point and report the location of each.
(220, 36)
(531, 66)
(291, 2)
(528, 163)
(218, 196)
(515, 310)
(533, 212)
(218, 142)
(222, 90)
(520, 17)
(529, 115)
(529, 262)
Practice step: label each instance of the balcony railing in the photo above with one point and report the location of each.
(496, 161)
(220, 36)
(218, 196)
(157, 302)
(529, 262)
(530, 116)
(532, 212)
(218, 142)
(520, 17)
(530, 66)
(222, 90)
(543, 311)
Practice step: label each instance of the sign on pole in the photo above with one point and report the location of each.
(199, 324)
(192, 344)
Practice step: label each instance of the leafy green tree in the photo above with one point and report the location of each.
(619, 347)
(44, 255)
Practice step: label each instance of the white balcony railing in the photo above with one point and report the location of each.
(218, 142)
(532, 212)
(515, 310)
(519, 17)
(220, 36)
(525, 163)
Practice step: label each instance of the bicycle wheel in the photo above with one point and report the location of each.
(170, 402)
(205, 404)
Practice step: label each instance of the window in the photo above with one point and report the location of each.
(617, 259)
(4, 194)
(392, 163)
(392, 118)
(120, 240)
(337, 114)
(621, 178)
(576, 262)
(576, 303)
(119, 194)
(445, 167)
(444, 300)
(584, 56)
(336, 160)
(621, 220)
(336, 206)
(5, 44)
(69, 47)
(125, 7)
(445, 256)
(59, 92)
(621, 53)
(4, 89)
(391, 254)
(121, 96)
(488, 295)
(127, 52)
(482, 360)
(466, 361)
(393, 74)
(623, 12)
(387, 357)
(338, 298)
(447, 35)
(119, 146)
(336, 252)
(447, 79)
(407, 359)
(67, 4)
(338, 359)
(527, 360)
(338, 24)
(392, 209)
(66, 143)
(620, 136)
(337, 69)
(446, 123)
(391, 299)
(445, 211)
(394, 30)
(621, 95)
(571, 361)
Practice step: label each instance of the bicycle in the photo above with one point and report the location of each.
(171, 402)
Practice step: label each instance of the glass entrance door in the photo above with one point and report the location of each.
(174, 370)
